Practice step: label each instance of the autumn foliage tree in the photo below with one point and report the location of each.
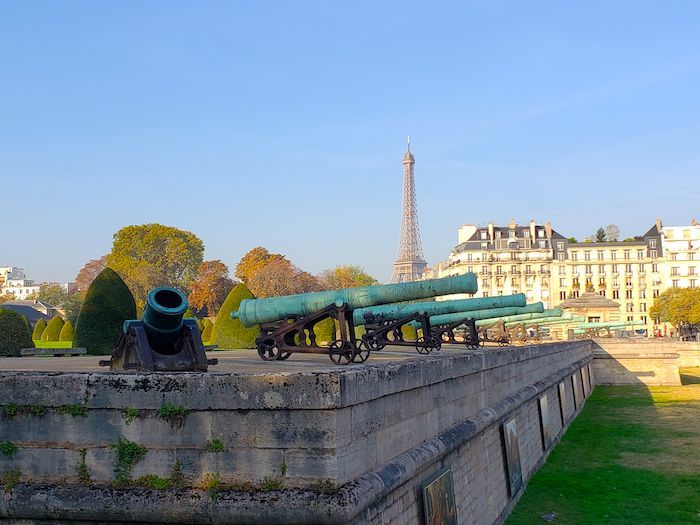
(88, 272)
(254, 260)
(281, 277)
(151, 255)
(210, 288)
(678, 306)
(345, 277)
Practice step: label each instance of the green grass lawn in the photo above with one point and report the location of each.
(631, 457)
(53, 344)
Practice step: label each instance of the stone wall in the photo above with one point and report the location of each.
(352, 445)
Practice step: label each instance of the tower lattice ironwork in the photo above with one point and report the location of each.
(410, 264)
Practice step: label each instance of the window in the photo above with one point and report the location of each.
(642, 307)
(691, 256)
(616, 294)
(483, 235)
(513, 282)
(601, 269)
(630, 318)
(562, 283)
(470, 269)
(528, 280)
(499, 270)
(499, 281)
(642, 294)
(674, 283)
(652, 243)
(562, 295)
(691, 270)
(614, 268)
(674, 256)
(587, 256)
(641, 268)
(528, 268)
(653, 254)
(469, 257)
(628, 268)
(602, 292)
(669, 234)
(484, 245)
(485, 270)
(484, 283)
(674, 270)
(562, 270)
(485, 294)
(500, 292)
(575, 294)
(600, 255)
(574, 256)
(692, 283)
(644, 319)
(655, 293)
(628, 282)
(526, 234)
(513, 268)
(628, 294)
(560, 246)
(655, 268)
(613, 255)
(640, 254)
(627, 255)
(589, 268)
(686, 234)
(561, 256)
(630, 307)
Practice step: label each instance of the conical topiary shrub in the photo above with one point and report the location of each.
(108, 303)
(53, 329)
(200, 324)
(39, 328)
(409, 332)
(325, 331)
(14, 334)
(230, 333)
(67, 332)
(206, 332)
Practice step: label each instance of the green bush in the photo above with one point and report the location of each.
(39, 328)
(108, 303)
(206, 332)
(67, 332)
(230, 333)
(409, 332)
(325, 330)
(14, 333)
(53, 329)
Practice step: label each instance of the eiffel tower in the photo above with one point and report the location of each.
(409, 265)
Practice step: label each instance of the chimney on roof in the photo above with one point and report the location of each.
(658, 224)
(694, 222)
(533, 229)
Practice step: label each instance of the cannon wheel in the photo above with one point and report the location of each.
(267, 350)
(341, 353)
(425, 345)
(473, 345)
(503, 342)
(362, 353)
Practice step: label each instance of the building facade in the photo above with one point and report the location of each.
(536, 260)
(13, 282)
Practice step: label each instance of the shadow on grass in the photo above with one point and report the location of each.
(623, 460)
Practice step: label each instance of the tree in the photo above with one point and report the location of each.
(345, 277)
(600, 235)
(151, 255)
(678, 306)
(88, 272)
(252, 261)
(230, 333)
(211, 287)
(14, 334)
(281, 277)
(6, 297)
(572, 240)
(108, 303)
(39, 328)
(67, 332)
(53, 329)
(612, 233)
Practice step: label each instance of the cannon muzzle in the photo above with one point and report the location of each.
(162, 318)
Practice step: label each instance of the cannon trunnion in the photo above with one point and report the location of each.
(161, 341)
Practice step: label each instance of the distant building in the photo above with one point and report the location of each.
(682, 247)
(33, 310)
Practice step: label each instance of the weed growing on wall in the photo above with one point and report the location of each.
(268, 484)
(128, 454)
(214, 445)
(10, 410)
(8, 449)
(82, 470)
(73, 410)
(173, 414)
(212, 484)
(130, 414)
(10, 479)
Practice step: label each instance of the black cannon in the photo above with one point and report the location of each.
(162, 340)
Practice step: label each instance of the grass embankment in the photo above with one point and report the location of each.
(53, 344)
(631, 457)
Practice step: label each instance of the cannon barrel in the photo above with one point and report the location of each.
(257, 311)
(542, 321)
(611, 324)
(489, 313)
(388, 312)
(163, 317)
(525, 316)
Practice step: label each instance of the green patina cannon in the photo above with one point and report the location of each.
(162, 340)
(287, 323)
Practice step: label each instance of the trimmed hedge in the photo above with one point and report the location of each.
(14, 333)
(53, 329)
(67, 332)
(325, 331)
(409, 332)
(208, 327)
(108, 303)
(230, 333)
(39, 328)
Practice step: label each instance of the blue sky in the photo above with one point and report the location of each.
(283, 124)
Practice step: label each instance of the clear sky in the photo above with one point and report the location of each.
(283, 124)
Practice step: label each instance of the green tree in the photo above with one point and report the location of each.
(253, 261)
(108, 303)
(67, 332)
(345, 277)
(230, 333)
(572, 240)
(56, 295)
(53, 329)
(678, 306)
(151, 255)
(600, 235)
(39, 328)
(14, 334)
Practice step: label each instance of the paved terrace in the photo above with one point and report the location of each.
(246, 361)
